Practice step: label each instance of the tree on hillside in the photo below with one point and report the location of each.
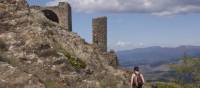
(188, 71)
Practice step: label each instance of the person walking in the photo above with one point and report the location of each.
(137, 79)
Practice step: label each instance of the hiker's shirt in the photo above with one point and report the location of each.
(134, 80)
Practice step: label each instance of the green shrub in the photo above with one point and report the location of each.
(50, 84)
(77, 63)
(166, 85)
(103, 84)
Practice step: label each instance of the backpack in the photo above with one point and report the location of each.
(139, 79)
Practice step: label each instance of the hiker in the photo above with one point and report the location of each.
(137, 79)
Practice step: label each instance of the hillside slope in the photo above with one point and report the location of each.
(156, 55)
(38, 53)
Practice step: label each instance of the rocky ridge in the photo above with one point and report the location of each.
(38, 53)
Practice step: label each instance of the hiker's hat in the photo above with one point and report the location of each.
(136, 68)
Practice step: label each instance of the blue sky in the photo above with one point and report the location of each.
(166, 23)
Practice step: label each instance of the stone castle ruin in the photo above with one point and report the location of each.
(62, 15)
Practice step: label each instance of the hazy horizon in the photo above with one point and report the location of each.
(159, 46)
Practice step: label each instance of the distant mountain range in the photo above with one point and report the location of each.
(156, 55)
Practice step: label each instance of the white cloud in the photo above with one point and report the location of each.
(122, 44)
(155, 7)
(141, 44)
(125, 45)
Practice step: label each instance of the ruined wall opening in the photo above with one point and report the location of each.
(51, 15)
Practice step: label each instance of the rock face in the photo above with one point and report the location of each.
(19, 4)
(36, 52)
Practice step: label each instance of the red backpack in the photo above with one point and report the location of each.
(138, 79)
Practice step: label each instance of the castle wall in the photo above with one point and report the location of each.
(112, 58)
(99, 25)
(63, 12)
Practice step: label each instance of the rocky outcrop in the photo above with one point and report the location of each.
(38, 53)
(18, 4)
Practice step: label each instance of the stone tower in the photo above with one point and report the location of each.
(65, 15)
(99, 25)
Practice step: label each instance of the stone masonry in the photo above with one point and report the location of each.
(60, 14)
(99, 25)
